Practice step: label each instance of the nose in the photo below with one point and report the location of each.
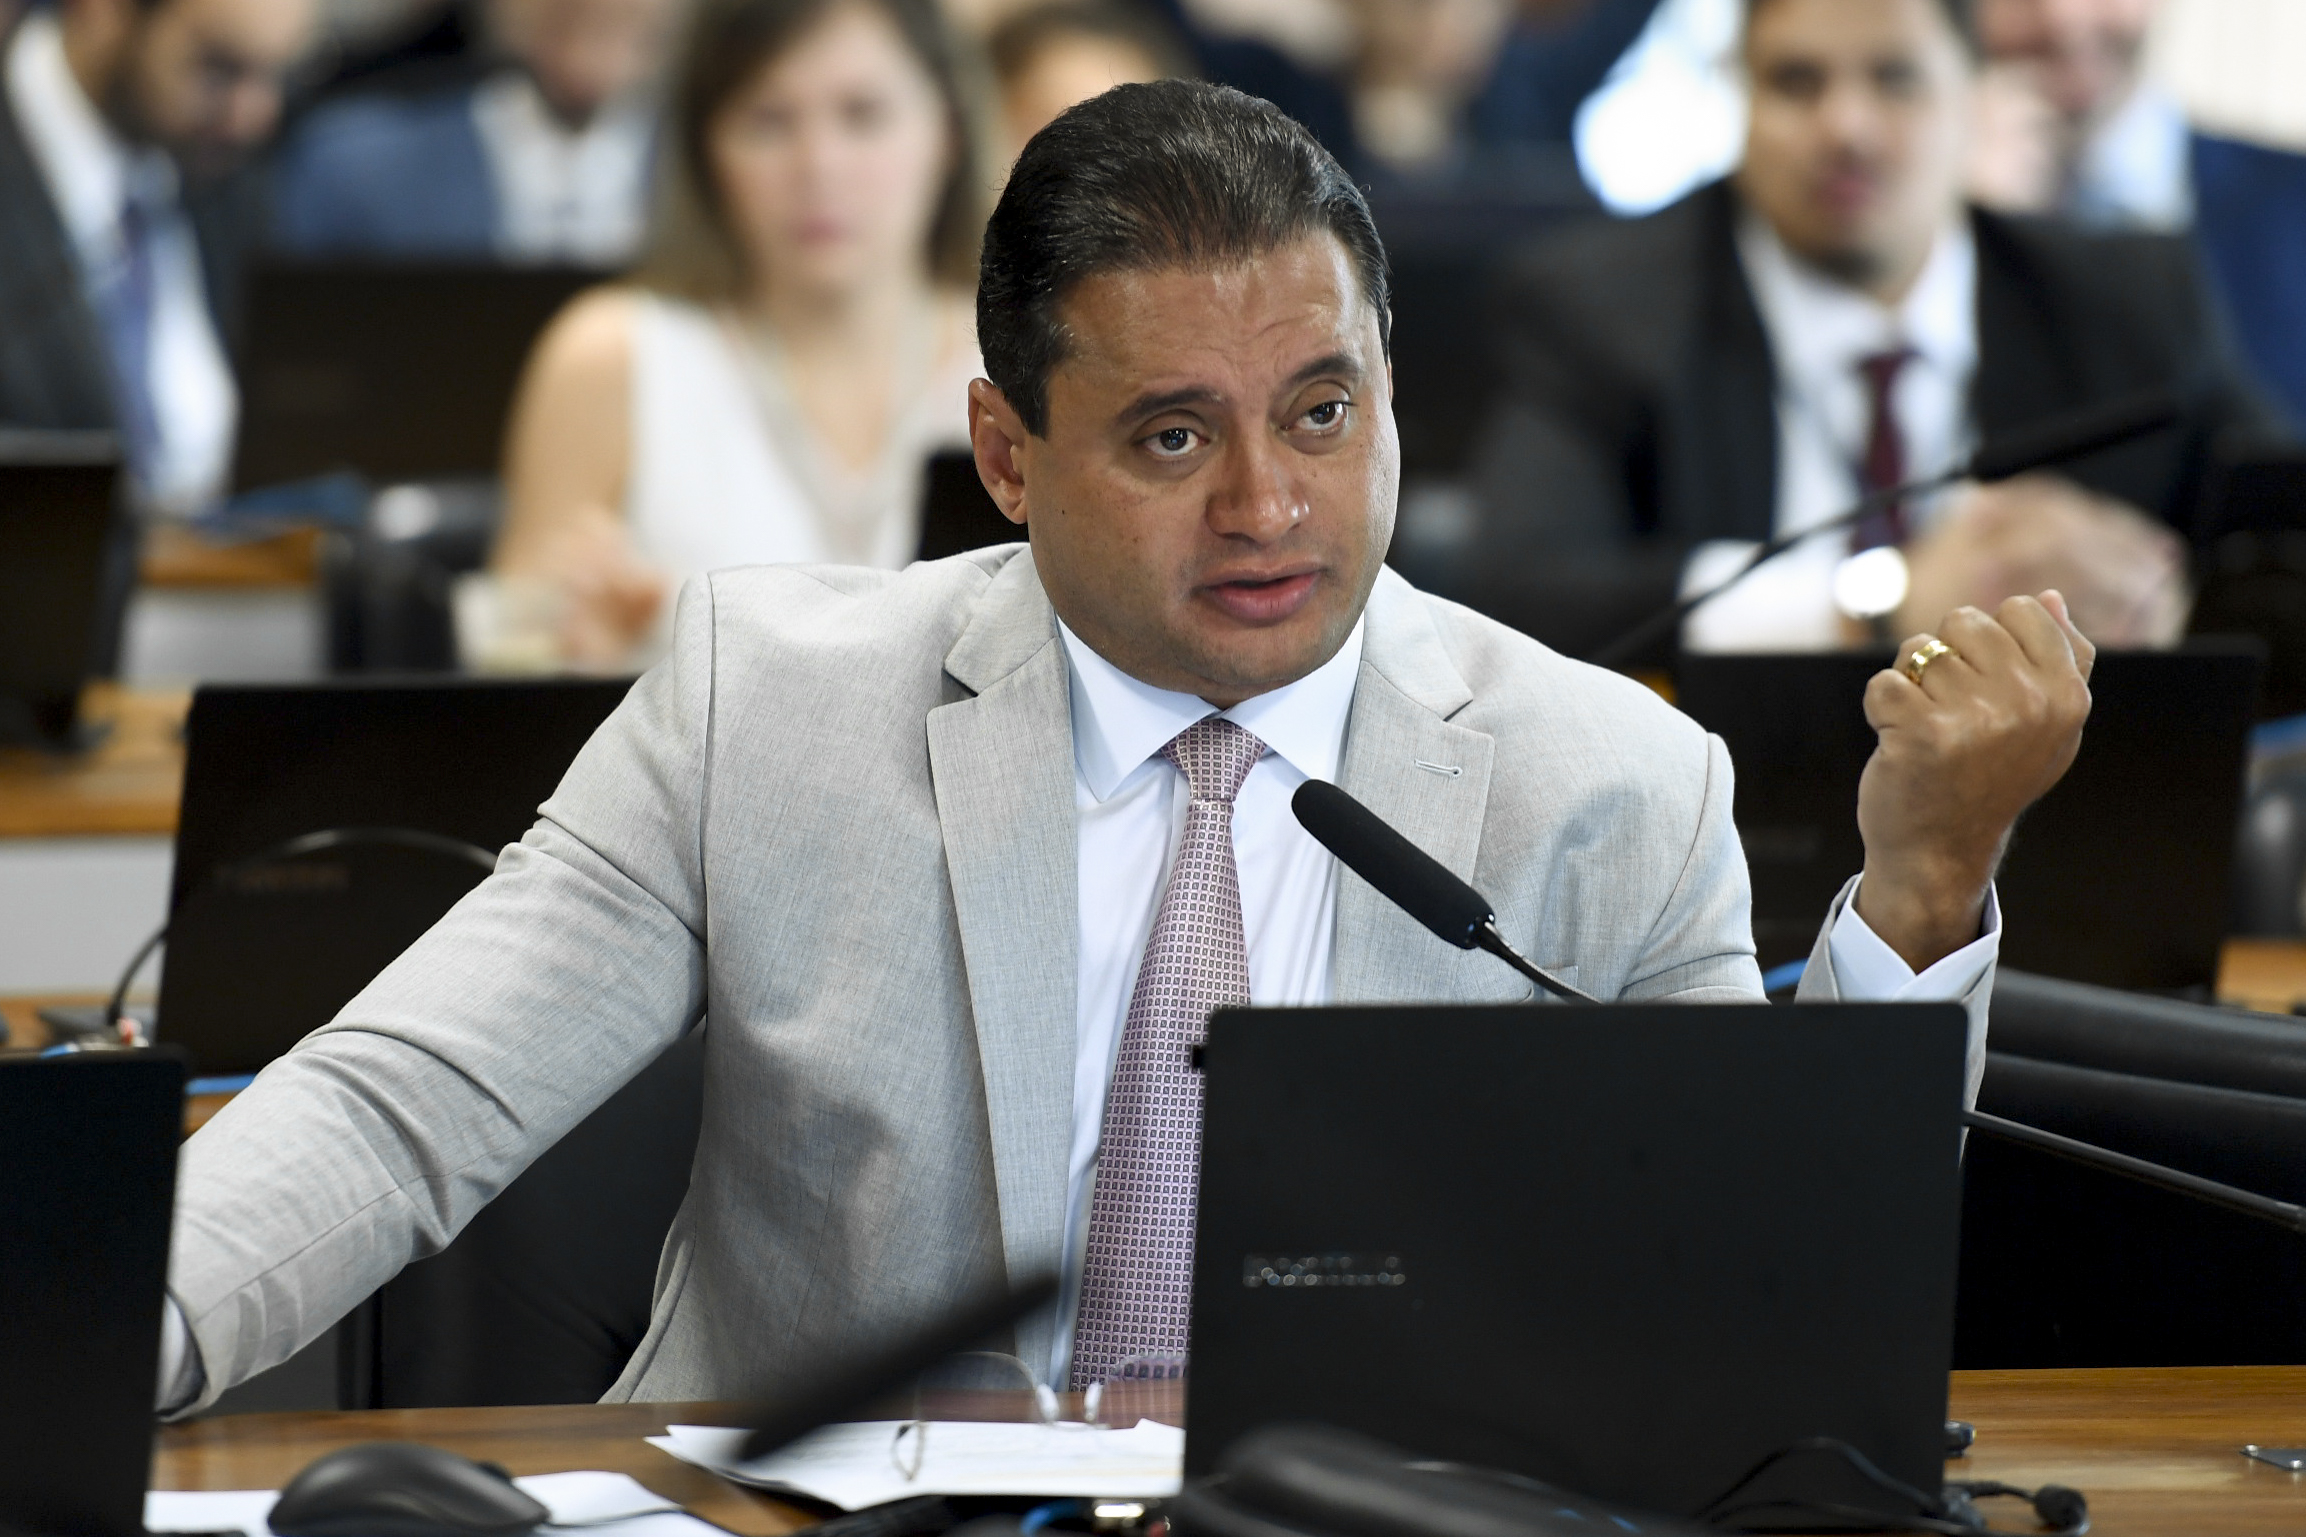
(1256, 497)
(1849, 111)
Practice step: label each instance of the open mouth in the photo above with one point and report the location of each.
(1264, 600)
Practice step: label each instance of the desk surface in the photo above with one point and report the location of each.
(2155, 1450)
(130, 782)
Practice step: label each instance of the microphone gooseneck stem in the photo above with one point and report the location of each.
(1638, 639)
(2281, 1214)
(1487, 938)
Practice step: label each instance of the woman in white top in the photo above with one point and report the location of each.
(794, 346)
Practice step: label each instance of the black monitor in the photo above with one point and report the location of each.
(261, 954)
(1629, 1250)
(394, 371)
(60, 594)
(2118, 876)
(87, 1187)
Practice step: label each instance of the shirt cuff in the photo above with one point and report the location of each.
(1868, 971)
(181, 1376)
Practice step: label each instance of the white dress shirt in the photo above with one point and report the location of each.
(564, 194)
(88, 170)
(1818, 329)
(2137, 170)
(1131, 804)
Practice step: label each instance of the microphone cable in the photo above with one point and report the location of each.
(2063, 1511)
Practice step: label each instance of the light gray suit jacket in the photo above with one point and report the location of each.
(839, 820)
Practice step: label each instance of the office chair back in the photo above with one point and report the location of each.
(2068, 1266)
(545, 1295)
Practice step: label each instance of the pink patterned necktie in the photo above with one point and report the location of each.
(1137, 1286)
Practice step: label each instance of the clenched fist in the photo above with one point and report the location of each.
(1967, 741)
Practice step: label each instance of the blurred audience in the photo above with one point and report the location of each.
(1830, 321)
(798, 339)
(2068, 121)
(1421, 88)
(125, 209)
(1053, 55)
(542, 158)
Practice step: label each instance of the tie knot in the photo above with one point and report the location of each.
(1214, 755)
(1881, 370)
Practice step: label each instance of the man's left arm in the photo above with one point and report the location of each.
(1968, 739)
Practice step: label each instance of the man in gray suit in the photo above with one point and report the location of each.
(955, 860)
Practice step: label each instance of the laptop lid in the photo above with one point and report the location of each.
(400, 371)
(2119, 876)
(1628, 1250)
(87, 1185)
(258, 958)
(56, 526)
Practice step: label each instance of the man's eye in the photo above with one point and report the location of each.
(1173, 442)
(1330, 413)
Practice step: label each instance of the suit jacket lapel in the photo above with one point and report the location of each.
(2023, 369)
(1725, 485)
(1002, 765)
(1429, 778)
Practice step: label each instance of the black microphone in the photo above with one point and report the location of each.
(2054, 440)
(1411, 879)
(1424, 887)
(845, 1387)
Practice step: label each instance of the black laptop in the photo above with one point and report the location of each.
(396, 371)
(87, 1186)
(57, 603)
(2118, 876)
(261, 954)
(1630, 1250)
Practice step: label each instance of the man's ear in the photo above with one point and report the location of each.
(997, 437)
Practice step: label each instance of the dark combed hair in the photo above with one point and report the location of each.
(1176, 173)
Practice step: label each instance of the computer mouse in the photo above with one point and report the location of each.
(403, 1489)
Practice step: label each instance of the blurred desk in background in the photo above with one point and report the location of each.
(249, 611)
(85, 844)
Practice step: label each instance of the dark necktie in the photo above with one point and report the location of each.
(1884, 465)
(124, 306)
(1137, 1282)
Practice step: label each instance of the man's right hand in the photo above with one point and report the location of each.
(2123, 573)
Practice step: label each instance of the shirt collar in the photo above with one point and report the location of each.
(85, 164)
(1119, 722)
(1819, 327)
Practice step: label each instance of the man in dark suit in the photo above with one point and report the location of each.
(538, 153)
(123, 213)
(1832, 319)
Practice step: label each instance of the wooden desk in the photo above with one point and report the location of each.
(262, 1451)
(130, 782)
(2155, 1450)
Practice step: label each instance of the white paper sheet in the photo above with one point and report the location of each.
(857, 1465)
(609, 1504)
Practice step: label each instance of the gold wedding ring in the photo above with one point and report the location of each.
(1919, 659)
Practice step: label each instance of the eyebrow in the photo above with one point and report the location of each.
(1344, 363)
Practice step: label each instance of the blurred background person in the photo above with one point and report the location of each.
(1051, 56)
(542, 156)
(2073, 122)
(126, 209)
(1831, 320)
(797, 340)
(2069, 120)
